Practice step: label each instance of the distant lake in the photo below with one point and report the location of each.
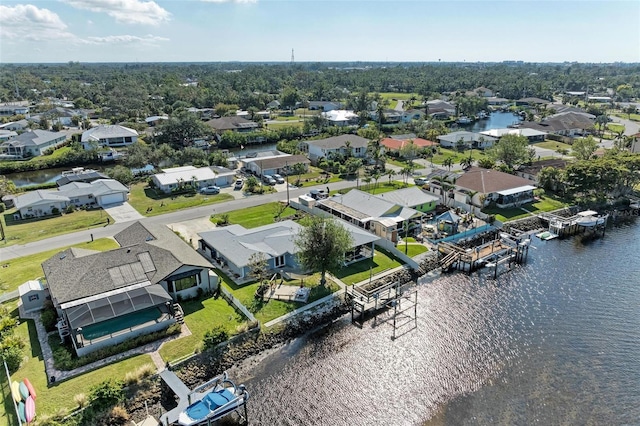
(497, 120)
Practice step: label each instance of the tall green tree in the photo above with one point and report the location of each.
(322, 245)
(181, 130)
(511, 150)
(583, 148)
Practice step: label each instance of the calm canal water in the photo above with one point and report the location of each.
(556, 341)
(496, 120)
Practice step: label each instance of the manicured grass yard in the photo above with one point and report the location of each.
(264, 214)
(29, 230)
(554, 145)
(266, 311)
(201, 316)
(60, 396)
(457, 156)
(413, 248)
(360, 271)
(150, 202)
(282, 124)
(544, 204)
(17, 271)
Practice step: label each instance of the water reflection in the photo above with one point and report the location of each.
(555, 341)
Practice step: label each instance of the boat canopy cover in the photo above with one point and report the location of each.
(115, 305)
(517, 190)
(587, 213)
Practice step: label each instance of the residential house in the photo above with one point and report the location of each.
(532, 101)
(9, 110)
(440, 110)
(341, 117)
(275, 104)
(395, 145)
(530, 171)
(5, 135)
(16, 126)
(176, 178)
(101, 192)
(224, 176)
(483, 186)
(532, 135)
(64, 116)
(232, 124)
(563, 124)
(412, 114)
(354, 145)
(233, 247)
(80, 174)
(32, 144)
(105, 298)
(43, 202)
(108, 136)
(484, 92)
(280, 164)
(467, 140)
(412, 197)
(324, 105)
(497, 101)
(39, 203)
(154, 120)
(382, 217)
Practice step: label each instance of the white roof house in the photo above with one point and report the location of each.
(172, 178)
(530, 134)
(341, 117)
(112, 135)
(469, 139)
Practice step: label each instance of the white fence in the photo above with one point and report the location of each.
(236, 303)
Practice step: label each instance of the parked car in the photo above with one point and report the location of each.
(269, 180)
(278, 178)
(421, 181)
(239, 184)
(210, 190)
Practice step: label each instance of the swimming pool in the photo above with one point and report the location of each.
(124, 322)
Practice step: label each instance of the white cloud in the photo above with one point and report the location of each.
(230, 1)
(125, 11)
(126, 39)
(26, 21)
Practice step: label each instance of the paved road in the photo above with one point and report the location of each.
(400, 106)
(11, 252)
(630, 127)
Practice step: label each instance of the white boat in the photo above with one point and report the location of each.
(590, 218)
(463, 120)
(218, 401)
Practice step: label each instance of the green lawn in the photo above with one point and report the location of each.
(554, 145)
(29, 230)
(150, 202)
(60, 396)
(315, 176)
(633, 117)
(201, 316)
(282, 124)
(457, 156)
(17, 271)
(545, 204)
(382, 186)
(413, 249)
(264, 214)
(615, 127)
(360, 271)
(267, 311)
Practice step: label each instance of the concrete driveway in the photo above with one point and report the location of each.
(189, 229)
(122, 212)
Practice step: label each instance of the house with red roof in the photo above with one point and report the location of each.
(395, 145)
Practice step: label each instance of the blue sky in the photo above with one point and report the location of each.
(319, 30)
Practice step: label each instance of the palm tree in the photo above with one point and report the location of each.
(448, 162)
(391, 173)
(376, 176)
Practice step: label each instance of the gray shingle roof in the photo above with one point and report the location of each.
(97, 187)
(107, 132)
(337, 142)
(146, 255)
(34, 138)
(37, 197)
(238, 243)
(486, 181)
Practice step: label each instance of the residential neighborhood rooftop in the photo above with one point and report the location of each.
(488, 180)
